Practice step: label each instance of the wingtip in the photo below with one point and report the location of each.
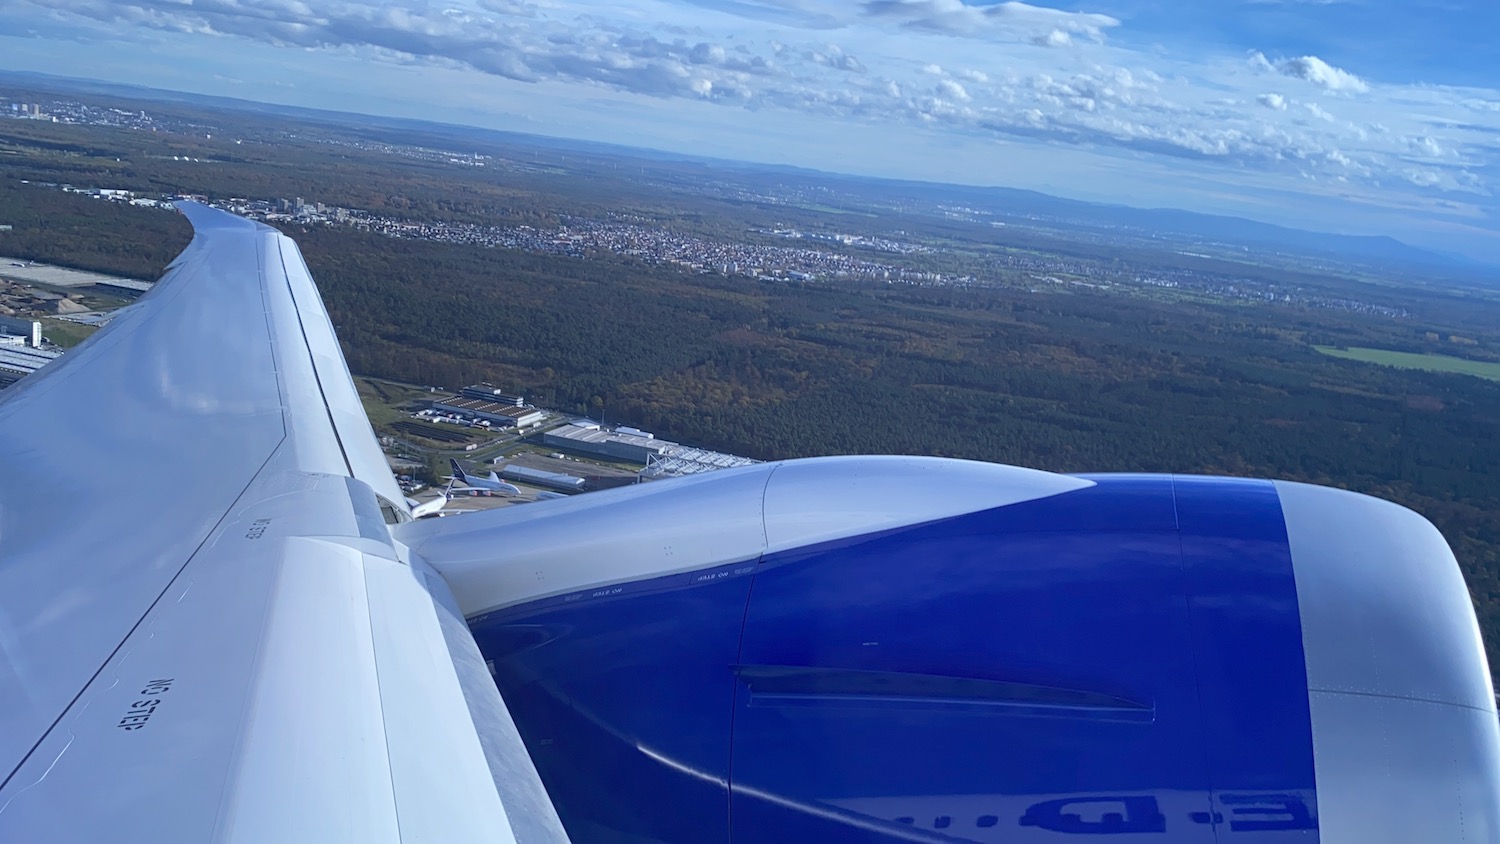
(205, 217)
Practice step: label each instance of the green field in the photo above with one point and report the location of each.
(66, 334)
(1409, 360)
(387, 402)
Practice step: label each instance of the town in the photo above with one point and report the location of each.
(583, 238)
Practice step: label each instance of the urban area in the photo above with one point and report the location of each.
(585, 238)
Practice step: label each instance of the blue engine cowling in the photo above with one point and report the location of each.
(1148, 656)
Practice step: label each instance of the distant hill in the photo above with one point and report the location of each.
(1157, 221)
(1248, 232)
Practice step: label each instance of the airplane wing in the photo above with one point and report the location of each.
(213, 637)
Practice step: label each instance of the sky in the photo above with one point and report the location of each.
(1350, 116)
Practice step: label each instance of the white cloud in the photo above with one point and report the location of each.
(1055, 38)
(949, 89)
(1422, 178)
(1319, 72)
(1318, 111)
(1425, 145)
(1273, 101)
(832, 55)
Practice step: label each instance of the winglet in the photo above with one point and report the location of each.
(205, 218)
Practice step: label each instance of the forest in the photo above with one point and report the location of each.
(1067, 379)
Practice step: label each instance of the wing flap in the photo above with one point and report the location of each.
(316, 699)
(440, 777)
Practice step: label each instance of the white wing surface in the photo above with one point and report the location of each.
(210, 634)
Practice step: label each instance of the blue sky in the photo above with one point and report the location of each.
(1361, 116)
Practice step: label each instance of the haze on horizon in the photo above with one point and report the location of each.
(1354, 116)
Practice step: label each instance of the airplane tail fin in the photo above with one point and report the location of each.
(494, 477)
(458, 471)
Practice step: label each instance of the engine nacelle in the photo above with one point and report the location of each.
(900, 649)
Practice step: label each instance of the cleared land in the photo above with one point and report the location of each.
(1409, 360)
(30, 272)
(388, 402)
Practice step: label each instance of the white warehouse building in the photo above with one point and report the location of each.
(587, 437)
(492, 412)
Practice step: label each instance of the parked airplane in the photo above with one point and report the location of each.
(784, 652)
(492, 482)
(432, 507)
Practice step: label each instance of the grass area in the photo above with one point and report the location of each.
(386, 401)
(66, 334)
(449, 437)
(1409, 360)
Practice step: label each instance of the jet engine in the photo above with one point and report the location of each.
(910, 649)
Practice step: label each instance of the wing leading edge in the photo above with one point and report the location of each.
(214, 636)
